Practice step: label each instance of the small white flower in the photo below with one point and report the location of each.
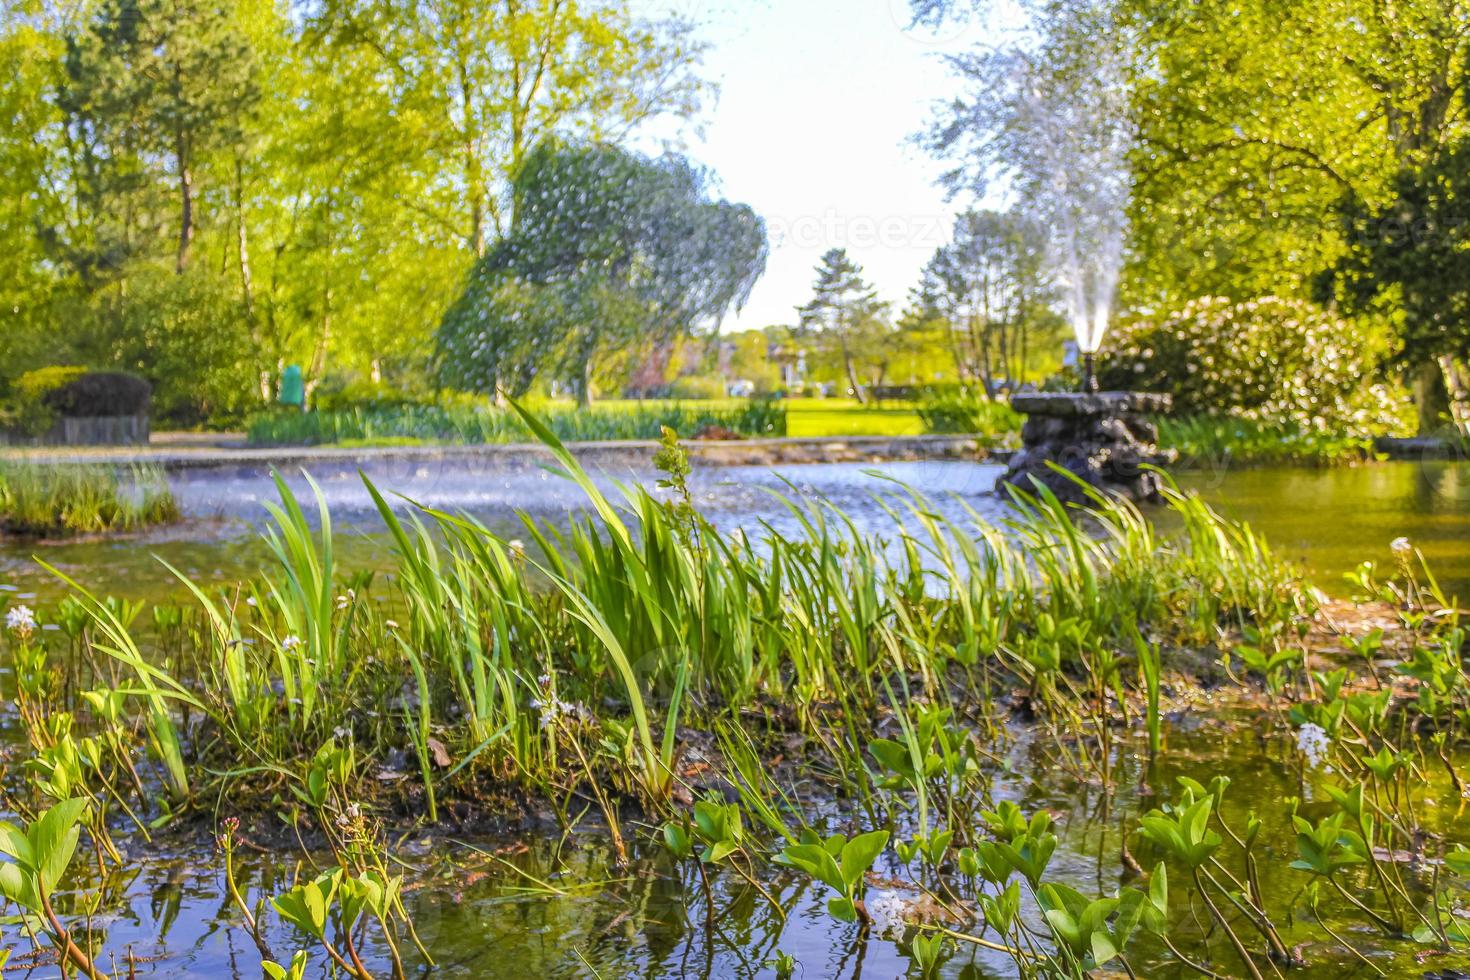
(250, 601)
(343, 601)
(517, 547)
(887, 911)
(290, 642)
(1400, 546)
(390, 624)
(553, 709)
(21, 620)
(1313, 741)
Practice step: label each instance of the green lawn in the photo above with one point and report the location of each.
(845, 417)
(819, 416)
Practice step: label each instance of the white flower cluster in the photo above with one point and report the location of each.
(888, 911)
(21, 620)
(553, 710)
(1313, 741)
(1400, 546)
(290, 642)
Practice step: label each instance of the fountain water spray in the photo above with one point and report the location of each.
(1076, 129)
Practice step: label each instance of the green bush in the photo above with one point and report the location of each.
(38, 398)
(1268, 360)
(337, 394)
(963, 411)
(26, 409)
(100, 393)
(185, 334)
(1202, 439)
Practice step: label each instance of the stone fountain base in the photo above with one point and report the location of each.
(1103, 438)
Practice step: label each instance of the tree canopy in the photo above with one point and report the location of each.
(204, 192)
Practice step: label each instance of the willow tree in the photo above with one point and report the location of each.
(609, 250)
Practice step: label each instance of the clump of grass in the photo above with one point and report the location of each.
(475, 425)
(53, 500)
(1203, 439)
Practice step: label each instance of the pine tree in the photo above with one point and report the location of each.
(843, 307)
(160, 80)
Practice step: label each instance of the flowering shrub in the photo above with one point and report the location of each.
(1269, 360)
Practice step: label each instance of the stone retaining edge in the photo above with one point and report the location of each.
(733, 452)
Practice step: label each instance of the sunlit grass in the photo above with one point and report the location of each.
(816, 417)
(41, 500)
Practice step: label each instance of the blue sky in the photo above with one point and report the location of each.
(818, 99)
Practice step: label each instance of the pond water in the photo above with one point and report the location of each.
(555, 905)
(1328, 520)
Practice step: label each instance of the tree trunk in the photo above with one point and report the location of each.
(186, 204)
(987, 379)
(319, 359)
(474, 171)
(851, 371)
(1430, 396)
(584, 384)
(1457, 386)
(242, 251)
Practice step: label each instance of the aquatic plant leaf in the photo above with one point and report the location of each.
(815, 861)
(53, 838)
(296, 971)
(19, 887)
(842, 908)
(859, 854)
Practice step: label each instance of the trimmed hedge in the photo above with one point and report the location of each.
(38, 399)
(100, 393)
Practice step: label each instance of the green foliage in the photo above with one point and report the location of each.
(40, 853)
(845, 316)
(1204, 440)
(1415, 251)
(838, 863)
(38, 398)
(185, 333)
(1256, 121)
(993, 292)
(26, 409)
(968, 411)
(100, 393)
(202, 194)
(1269, 360)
